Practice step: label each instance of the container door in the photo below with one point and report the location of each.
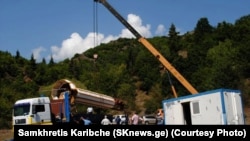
(238, 117)
(233, 107)
(174, 114)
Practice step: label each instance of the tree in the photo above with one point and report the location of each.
(31, 68)
(41, 75)
(203, 40)
(17, 54)
(174, 40)
(202, 29)
(224, 31)
(242, 29)
(222, 63)
(154, 103)
(147, 69)
(51, 61)
(44, 61)
(75, 68)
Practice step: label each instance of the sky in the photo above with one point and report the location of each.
(62, 28)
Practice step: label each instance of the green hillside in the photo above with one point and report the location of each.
(208, 57)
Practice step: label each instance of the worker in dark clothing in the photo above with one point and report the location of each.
(118, 120)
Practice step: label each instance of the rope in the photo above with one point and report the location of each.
(95, 22)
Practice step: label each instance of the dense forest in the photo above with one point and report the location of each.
(209, 57)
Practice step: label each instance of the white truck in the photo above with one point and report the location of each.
(59, 107)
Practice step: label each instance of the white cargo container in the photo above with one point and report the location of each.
(221, 107)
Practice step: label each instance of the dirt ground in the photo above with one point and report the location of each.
(7, 135)
(247, 113)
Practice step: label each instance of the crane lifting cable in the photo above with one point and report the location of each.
(172, 85)
(95, 23)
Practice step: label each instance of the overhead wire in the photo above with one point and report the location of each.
(95, 23)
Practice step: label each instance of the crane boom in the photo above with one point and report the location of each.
(151, 48)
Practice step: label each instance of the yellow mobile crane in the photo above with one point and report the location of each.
(224, 106)
(152, 49)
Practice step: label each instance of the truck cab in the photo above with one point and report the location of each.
(32, 111)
